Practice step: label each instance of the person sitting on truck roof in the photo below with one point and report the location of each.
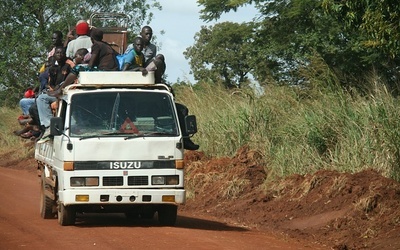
(56, 38)
(82, 40)
(149, 50)
(134, 60)
(44, 76)
(57, 74)
(81, 60)
(56, 41)
(103, 57)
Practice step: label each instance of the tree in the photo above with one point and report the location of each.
(377, 20)
(26, 28)
(293, 32)
(352, 37)
(213, 9)
(221, 53)
(379, 30)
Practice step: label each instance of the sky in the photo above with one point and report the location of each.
(180, 21)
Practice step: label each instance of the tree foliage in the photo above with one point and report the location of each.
(378, 21)
(26, 29)
(213, 9)
(221, 54)
(352, 37)
(379, 30)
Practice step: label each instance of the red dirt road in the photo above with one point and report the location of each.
(22, 227)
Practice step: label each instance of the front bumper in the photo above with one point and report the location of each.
(121, 196)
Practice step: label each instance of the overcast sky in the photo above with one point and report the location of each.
(180, 21)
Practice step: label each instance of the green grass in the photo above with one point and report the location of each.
(300, 130)
(12, 147)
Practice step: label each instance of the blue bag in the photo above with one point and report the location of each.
(126, 57)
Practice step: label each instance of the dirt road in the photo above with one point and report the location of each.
(22, 227)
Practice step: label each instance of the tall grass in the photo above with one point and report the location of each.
(12, 147)
(301, 130)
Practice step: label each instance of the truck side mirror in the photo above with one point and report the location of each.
(191, 124)
(56, 126)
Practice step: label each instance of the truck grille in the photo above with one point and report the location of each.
(138, 180)
(119, 181)
(113, 181)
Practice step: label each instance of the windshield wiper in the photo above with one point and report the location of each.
(160, 133)
(114, 133)
(151, 134)
(133, 136)
(89, 137)
(104, 135)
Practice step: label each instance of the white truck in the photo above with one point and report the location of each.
(115, 145)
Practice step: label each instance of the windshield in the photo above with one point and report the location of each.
(122, 114)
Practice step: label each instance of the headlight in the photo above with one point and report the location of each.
(173, 180)
(165, 180)
(158, 180)
(84, 181)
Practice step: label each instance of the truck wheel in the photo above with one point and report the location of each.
(46, 204)
(66, 215)
(167, 215)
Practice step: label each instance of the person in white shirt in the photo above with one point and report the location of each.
(82, 40)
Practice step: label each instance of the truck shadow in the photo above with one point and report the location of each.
(206, 224)
(88, 220)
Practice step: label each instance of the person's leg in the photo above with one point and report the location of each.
(34, 114)
(160, 69)
(25, 104)
(45, 113)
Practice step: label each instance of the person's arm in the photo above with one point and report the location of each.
(93, 60)
(128, 60)
(95, 51)
(143, 70)
(126, 66)
(70, 37)
(70, 50)
(70, 79)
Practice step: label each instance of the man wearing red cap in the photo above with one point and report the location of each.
(82, 40)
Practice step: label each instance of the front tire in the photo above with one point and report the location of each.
(66, 215)
(46, 204)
